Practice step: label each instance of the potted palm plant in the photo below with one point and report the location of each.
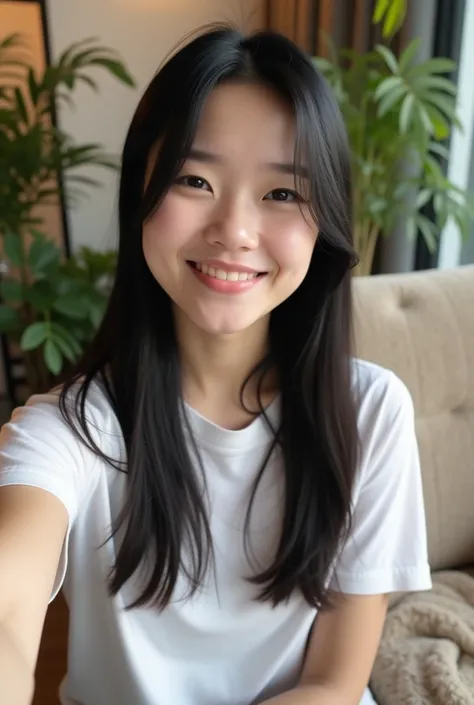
(399, 114)
(50, 305)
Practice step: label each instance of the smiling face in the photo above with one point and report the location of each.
(232, 238)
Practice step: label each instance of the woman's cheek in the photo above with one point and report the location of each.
(292, 247)
(174, 223)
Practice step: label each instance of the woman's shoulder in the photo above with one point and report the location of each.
(43, 414)
(379, 390)
(62, 444)
(94, 399)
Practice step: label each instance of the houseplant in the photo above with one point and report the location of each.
(390, 14)
(50, 305)
(398, 113)
(55, 304)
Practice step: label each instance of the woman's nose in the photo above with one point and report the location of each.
(233, 227)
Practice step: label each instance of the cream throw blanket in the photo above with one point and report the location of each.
(426, 656)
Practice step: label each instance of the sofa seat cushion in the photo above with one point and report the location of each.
(421, 325)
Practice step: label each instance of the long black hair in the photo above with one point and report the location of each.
(135, 351)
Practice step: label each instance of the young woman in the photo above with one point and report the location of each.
(227, 492)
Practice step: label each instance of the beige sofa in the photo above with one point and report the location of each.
(421, 325)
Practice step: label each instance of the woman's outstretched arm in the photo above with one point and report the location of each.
(341, 653)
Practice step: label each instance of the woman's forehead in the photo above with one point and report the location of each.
(249, 117)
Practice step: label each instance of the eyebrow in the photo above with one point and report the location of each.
(200, 155)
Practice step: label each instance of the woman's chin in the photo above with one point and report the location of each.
(219, 320)
(224, 327)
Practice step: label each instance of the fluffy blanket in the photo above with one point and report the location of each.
(426, 656)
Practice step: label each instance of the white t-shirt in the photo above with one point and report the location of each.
(221, 646)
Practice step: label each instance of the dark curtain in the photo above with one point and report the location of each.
(347, 22)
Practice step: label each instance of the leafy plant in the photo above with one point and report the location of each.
(36, 155)
(56, 305)
(398, 114)
(50, 305)
(391, 13)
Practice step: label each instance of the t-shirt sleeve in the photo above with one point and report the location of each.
(39, 449)
(387, 547)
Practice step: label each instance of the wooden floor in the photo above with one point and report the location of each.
(53, 654)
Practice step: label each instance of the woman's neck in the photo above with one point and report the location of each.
(215, 367)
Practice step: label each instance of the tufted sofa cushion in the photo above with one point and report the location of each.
(421, 325)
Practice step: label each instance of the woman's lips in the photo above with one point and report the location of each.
(231, 281)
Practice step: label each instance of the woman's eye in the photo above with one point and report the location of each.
(283, 195)
(194, 182)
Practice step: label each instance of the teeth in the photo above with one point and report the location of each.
(223, 275)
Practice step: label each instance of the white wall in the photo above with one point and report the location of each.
(144, 32)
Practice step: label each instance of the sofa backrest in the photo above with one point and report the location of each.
(421, 325)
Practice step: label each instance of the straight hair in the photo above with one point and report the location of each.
(135, 354)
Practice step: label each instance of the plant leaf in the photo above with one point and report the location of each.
(60, 331)
(438, 82)
(21, 105)
(53, 356)
(116, 68)
(14, 248)
(323, 64)
(387, 85)
(408, 55)
(392, 13)
(43, 253)
(444, 103)
(72, 307)
(439, 149)
(83, 58)
(390, 100)
(428, 230)
(41, 295)
(440, 125)
(432, 66)
(67, 55)
(64, 347)
(34, 335)
(423, 197)
(14, 39)
(433, 169)
(394, 18)
(88, 80)
(96, 315)
(389, 57)
(380, 10)
(441, 65)
(11, 290)
(60, 96)
(406, 112)
(425, 118)
(33, 86)
(9, 318)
